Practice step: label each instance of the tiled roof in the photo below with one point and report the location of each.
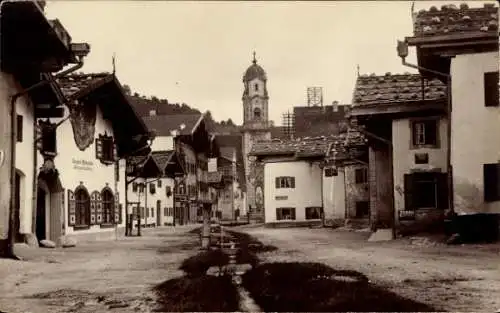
(393, 88)
(453, 19)
(214, 177)
(75, 85)
(162, 157)
(303, 147)
(163, 125)
(347, 144)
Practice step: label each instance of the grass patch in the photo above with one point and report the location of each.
(197, 294)
(311, 287)
(198, 265)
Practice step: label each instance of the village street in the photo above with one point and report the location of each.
(117, 276)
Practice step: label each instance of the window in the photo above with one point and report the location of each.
(105, 149)
(108, 203)
(159, 183)
(152, 212)
(134, 187)
(491, 175)
(142, 212)
(361, 175)
(165, 211)
(313, 213)
(331, 171)
(491, 92)
(362, 209)
(256, 87)
(285, 214)
(424, 133)
(82, 207)
(147, 212)
(152, 188)
(426, 190)
(117, 171)
(256, 113)
(285, 182)
(48, 138)
(19, 128)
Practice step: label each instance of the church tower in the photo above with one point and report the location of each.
(255, 97)
(256, 126)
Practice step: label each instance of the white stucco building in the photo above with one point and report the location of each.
(293, 179)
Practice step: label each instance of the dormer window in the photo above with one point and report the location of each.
(105, 149)
(256, 113)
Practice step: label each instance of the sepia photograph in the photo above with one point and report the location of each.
(249, 156)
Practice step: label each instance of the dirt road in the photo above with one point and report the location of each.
(95, 277)
(452, 278)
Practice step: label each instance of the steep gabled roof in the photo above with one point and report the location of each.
(396, 88)
(162, 158)
(163, 125)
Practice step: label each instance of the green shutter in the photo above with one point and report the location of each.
(71, 208)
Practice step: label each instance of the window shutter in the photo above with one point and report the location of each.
(442, 190)
(71, 208)
(278, 214)
(98, 209)
(292, 179)
(115, 151)
(117, 171)
(491, 92)
(98, 149)
(293, 213)
(117, 214)
(94, 199)
(408, 191)
(277, 181)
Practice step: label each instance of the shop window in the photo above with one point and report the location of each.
(285, 214)
(313, 213)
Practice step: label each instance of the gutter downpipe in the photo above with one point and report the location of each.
(448, 130)
(13, 119)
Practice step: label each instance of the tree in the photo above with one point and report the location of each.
(230, 122)
(127, 90)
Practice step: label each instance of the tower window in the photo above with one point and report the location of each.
(256, 113)
(256, 87)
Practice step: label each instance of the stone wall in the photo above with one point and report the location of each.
(354, 192)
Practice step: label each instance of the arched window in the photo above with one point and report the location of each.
(82, 207)
(256, 113)
(108, 205)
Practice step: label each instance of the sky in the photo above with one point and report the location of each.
(197, 52)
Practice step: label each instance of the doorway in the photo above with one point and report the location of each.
(158, 213)
(17, 208)
(41, 207)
